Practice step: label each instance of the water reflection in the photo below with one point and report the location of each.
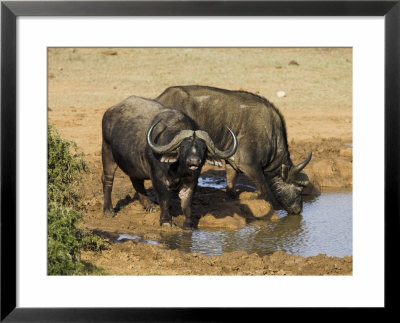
(216, 183)
(261, 237)
(127, 237)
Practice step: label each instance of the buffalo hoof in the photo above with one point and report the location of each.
(168, 224)
(109, 213)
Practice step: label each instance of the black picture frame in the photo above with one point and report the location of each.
(11, 10)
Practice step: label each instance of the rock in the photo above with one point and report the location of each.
(228, 222)
(280, 94)
(248, 195)
(257, 209)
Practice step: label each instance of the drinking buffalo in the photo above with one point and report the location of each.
(149, 141)
(263, 153)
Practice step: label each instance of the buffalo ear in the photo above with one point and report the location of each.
(214, 161)
(302, 179)
(169, 158)
(285, 172)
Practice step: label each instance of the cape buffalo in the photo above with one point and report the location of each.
(149, 141)
(263, 153)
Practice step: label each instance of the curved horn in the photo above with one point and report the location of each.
(174, 143)
(298, 168)
(214, 150)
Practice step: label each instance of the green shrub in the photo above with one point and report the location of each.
(92, 242)
(65, 240)
(63, 244)
(65, 167)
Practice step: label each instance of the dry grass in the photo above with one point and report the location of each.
(84, 82)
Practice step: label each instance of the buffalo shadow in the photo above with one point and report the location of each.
(211, 198)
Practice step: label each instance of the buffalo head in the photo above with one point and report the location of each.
(191, 148)
(288, 187)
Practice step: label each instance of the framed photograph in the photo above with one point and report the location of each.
(69, 69)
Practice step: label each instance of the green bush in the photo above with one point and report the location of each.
(65, 167)
(65, 240)
(63, 243)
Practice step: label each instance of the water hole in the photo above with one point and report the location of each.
(325, 226)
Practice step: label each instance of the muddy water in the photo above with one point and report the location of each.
(325, 226)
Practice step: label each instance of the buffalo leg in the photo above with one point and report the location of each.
(257, 176)
(164, 196)
(109, 168)
(186, 195)
(138, 185)
(231, 178)
(165, 216)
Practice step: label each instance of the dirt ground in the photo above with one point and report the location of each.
(317, 106)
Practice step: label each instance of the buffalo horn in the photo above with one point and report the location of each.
(174, 143)
(298, 168)
(214, 150)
